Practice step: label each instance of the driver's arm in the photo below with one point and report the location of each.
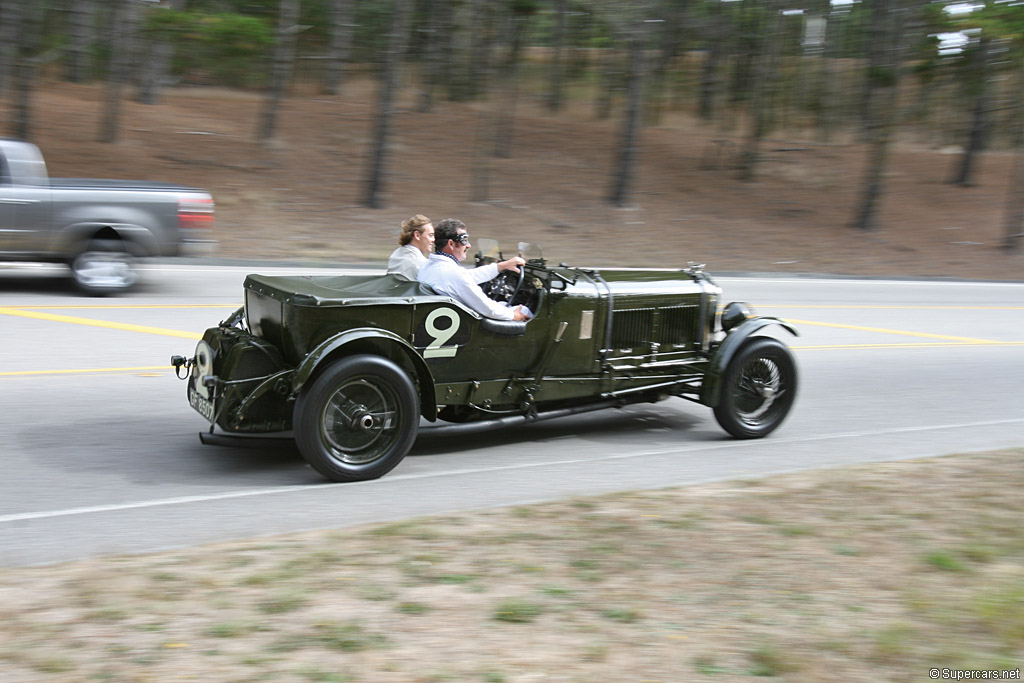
(484, 273)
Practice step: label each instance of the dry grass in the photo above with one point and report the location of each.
(876, 572)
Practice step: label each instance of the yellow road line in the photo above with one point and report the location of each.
(98, 323)
(25, 373)
(897, 308)
(883, 330)
(920, 345)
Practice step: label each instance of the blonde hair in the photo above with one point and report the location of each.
(411, 226)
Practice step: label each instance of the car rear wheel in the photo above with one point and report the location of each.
(105, 267)
(758, 389)
(357, 419)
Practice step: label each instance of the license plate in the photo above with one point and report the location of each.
(201, 405)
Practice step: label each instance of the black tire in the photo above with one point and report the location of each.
(104, 267)
(357, 419)
(758, 389)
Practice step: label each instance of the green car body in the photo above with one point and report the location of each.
(349, 364)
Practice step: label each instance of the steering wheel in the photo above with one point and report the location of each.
(505, 286)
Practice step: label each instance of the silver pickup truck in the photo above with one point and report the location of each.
(97, 227)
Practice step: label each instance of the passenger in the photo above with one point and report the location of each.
(417, 242)
(444, 274)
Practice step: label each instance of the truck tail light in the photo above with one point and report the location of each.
(195, 213)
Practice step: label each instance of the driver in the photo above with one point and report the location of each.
(443, 273)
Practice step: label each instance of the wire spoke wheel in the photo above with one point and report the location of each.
(758, 389)
(357, 419)
(360, 421)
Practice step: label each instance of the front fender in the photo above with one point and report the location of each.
(371, 340)
(711, 388)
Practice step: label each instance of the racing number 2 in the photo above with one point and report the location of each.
(437, 348)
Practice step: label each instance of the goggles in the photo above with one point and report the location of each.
(463, 239)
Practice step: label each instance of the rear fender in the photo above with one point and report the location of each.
(711, 388)
(138, 241)
(376, 341)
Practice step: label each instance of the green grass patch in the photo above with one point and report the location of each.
(946, 561)
(412, 608)
(1000, 610)
(769, 660)
(517, 611)
(281, 603)
(624, 615)
(707, 666)
(455, 578)
(229, 630)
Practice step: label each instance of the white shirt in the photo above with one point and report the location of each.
(446, 276)
(406, 261)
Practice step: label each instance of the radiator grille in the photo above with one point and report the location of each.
(632, 328)
(678, 324)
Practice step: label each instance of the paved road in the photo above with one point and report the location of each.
(100, 453)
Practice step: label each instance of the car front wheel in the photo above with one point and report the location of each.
(758, 389)
(357, 419)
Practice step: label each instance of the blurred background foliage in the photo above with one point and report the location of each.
(943, 73)
(703, 54)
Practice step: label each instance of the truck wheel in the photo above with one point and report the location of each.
(758, 389)
(105, 267)
(358, 419)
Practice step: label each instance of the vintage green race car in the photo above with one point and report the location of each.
(349, 364)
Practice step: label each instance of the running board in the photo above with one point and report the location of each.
(268, 442)
(281, 440)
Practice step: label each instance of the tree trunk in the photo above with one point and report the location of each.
(342, 12)
(746, 39)
(10, 23)
(154, 70)
(556, 84)
(506, 115)
(629, 140)
(883, 75)
(82, 35)
(670, 34)
(29, 15)
(123, 24)
(826, 88)
(375, 175)
(1014, 220)
(284, 59)
(478, 73)
(879, 64)
(710, 79)
(611, 73)
(979, 115)
(438, 50)
(763, 85)
(871, 192)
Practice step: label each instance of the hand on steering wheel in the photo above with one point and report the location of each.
(505, 286)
